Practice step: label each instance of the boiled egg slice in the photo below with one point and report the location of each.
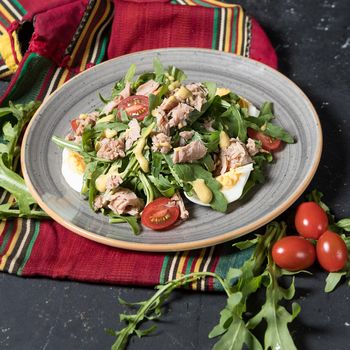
(73, 168)
(232, 182)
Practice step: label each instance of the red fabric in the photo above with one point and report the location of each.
(154, 25)
(62, 254)
(260, 48)
(54, 29)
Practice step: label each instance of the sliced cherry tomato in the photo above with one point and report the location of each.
(160, 214)
(310, 220)
(135, 106)
(268, 143)
(293, 253)
(332, 253)
(74, 124)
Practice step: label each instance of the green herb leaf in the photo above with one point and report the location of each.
(333, 280)
(15, 184)
(131, 220)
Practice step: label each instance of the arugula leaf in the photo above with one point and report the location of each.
(344, 224)
(130, 73)
(235, 124)
(333, 280)
(15, 184)
(131, 220)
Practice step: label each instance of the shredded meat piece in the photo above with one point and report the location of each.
(125, 201)
(161, 143)
(99, 202)
(252, 147)
(111, 149)
(147, 88)
(208, 125)
(126, 92)
(176, 199)
(162, 121)
(132, 134)
(82, 123)
(234, 156)
(108, 108)
(199, 95)
(113, 181)
(169, 103)
(179, 115)
(193, 151)
(185, 136)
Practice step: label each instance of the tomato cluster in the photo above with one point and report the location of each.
(295, 253)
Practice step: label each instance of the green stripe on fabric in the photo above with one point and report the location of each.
(30, 79)
(204, 4)
(189, 264)
(227, 260)
(103, 50)
(30, 247)
(164, 267)
(19, 6)
(7, 236)
(234, 34)
(215, 29)
(4, 21)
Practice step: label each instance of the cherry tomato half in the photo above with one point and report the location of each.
(74, 124)
(268, 143)
(332, 253)
(293, 253)
(160, 214)
(135, 106)
(310, 220)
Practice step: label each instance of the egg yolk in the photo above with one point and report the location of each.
(77, 162)
(229, 179)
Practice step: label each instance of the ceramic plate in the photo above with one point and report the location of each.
(293, 170)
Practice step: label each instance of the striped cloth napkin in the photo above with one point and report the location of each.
(45, 43)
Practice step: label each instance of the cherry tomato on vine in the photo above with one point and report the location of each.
(160, 214)
(332, 253)
(310, 220)
(268, 143)
(135, 106)
(293, 253)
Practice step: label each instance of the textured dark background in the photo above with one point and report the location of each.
(312, 40)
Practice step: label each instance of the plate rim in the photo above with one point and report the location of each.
(168, 247)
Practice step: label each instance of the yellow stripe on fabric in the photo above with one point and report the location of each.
(197, 266)
(12, 245)
(5, 74)
(181, 264)
(9, 17)
(239, 32)
(2, 226)
(228, 30)
(89, 44)
(6, 52)
(85, 29)
(63, 78)
(221, 4)
(190, 3)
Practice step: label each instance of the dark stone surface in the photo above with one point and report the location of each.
(312, 39)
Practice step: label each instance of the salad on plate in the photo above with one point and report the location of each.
(159, 138)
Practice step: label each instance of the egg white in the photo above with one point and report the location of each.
(72, 175)
(233, 193)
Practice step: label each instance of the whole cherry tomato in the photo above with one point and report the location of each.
(293, 253)
(310, 220)
(332, 253)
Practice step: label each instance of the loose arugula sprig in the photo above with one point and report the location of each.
(13, 119)
(235, 327)
(342, 227)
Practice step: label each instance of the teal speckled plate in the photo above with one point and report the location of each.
(287, 178)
